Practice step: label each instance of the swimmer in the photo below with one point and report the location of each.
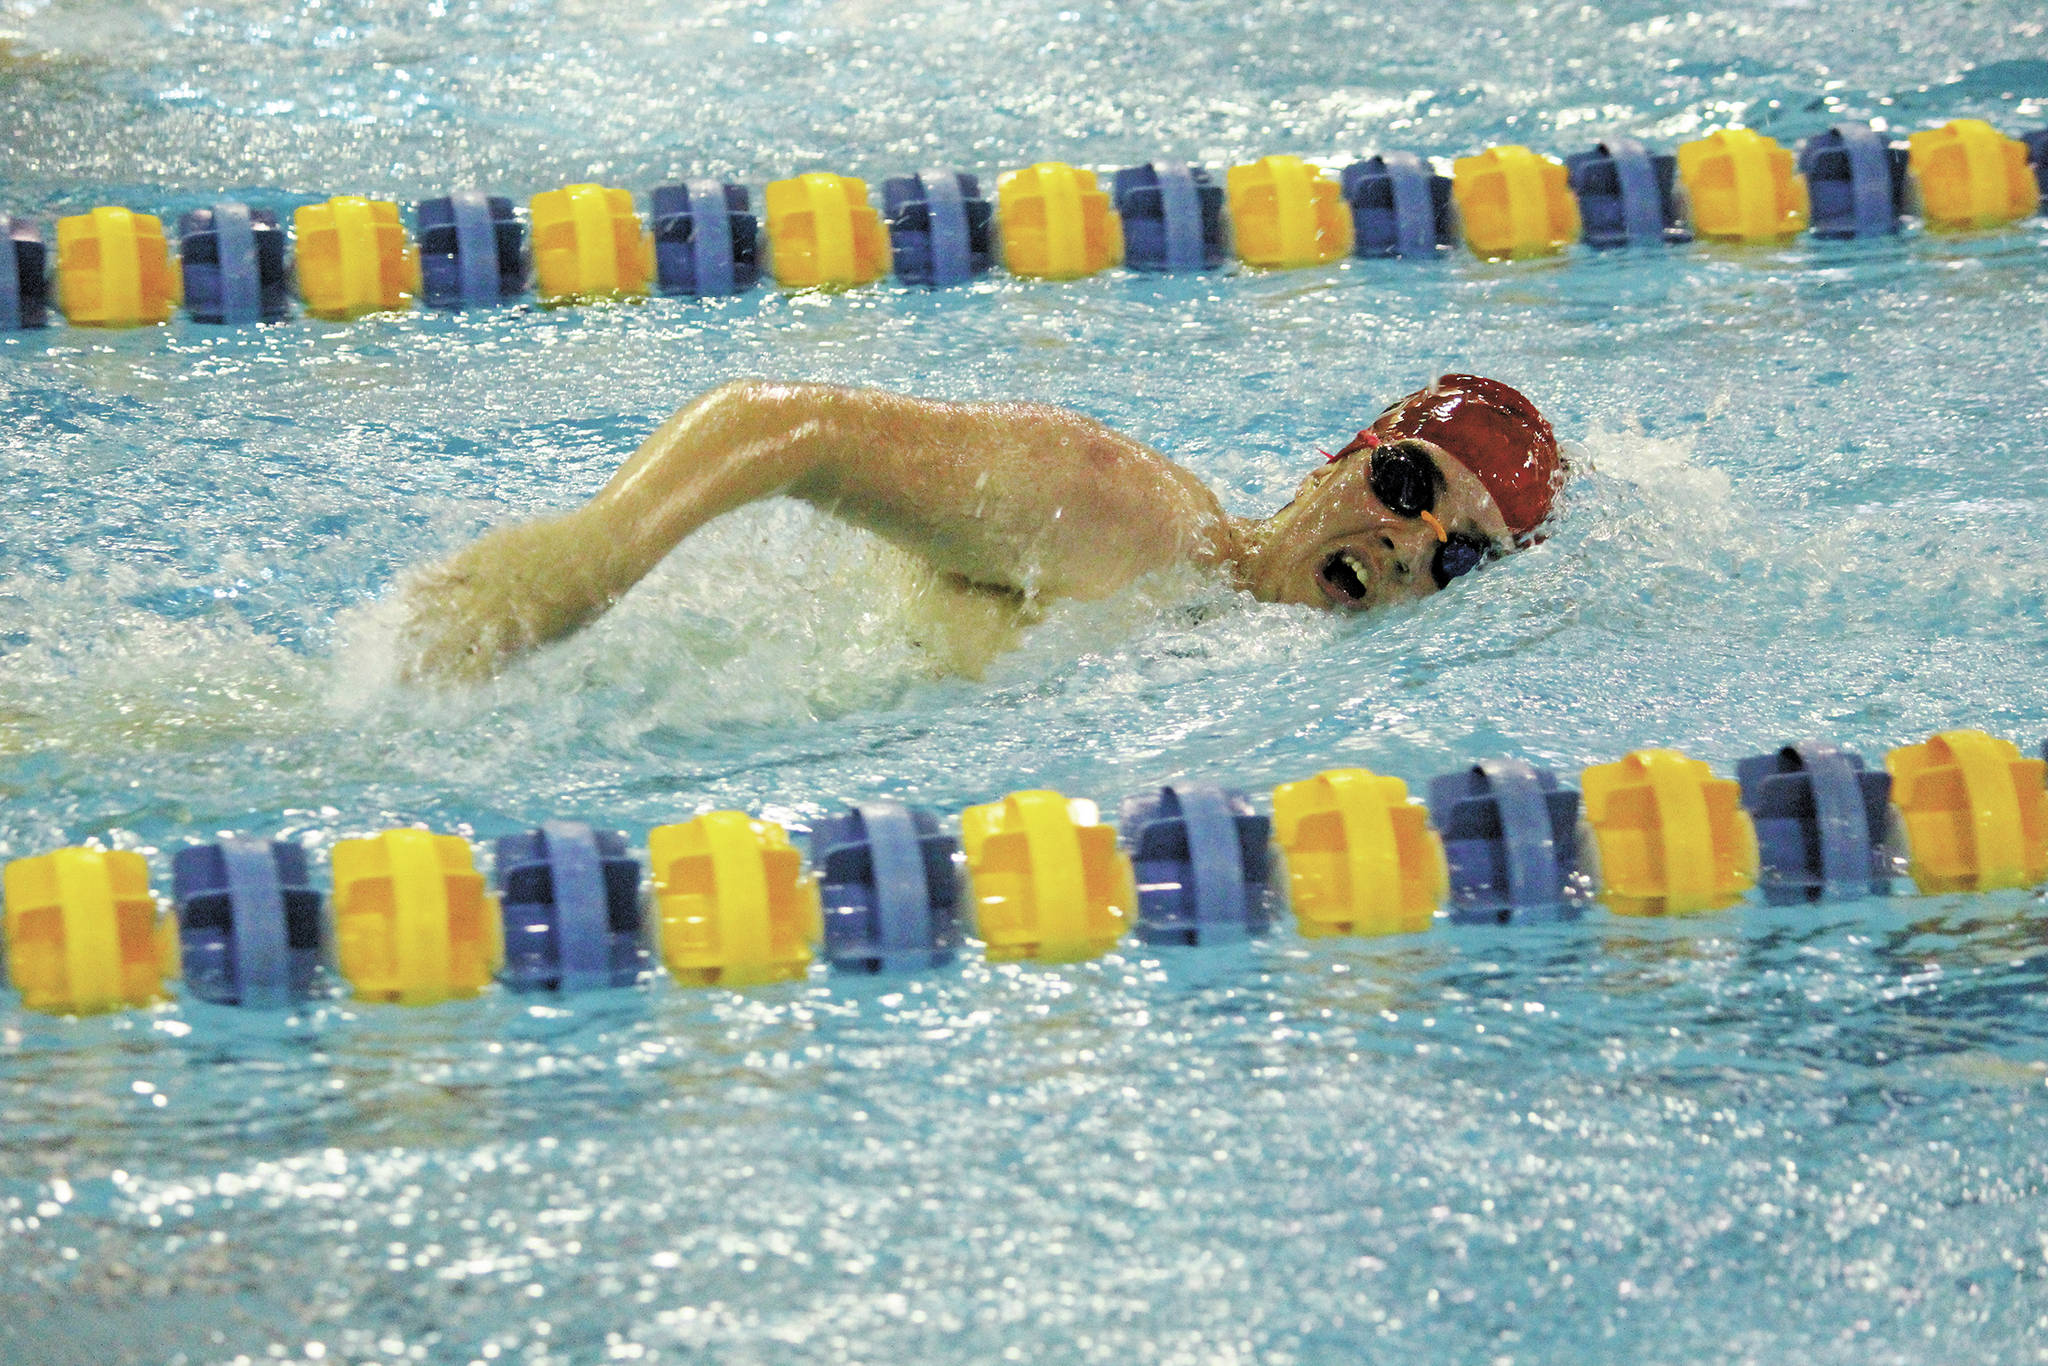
(1010, 504)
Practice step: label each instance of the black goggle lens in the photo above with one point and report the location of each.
(1404, 479)
(1461, 554)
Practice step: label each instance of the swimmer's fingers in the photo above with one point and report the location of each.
(448, 635)
(517, 588)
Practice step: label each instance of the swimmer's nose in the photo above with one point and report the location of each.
(1404, 553)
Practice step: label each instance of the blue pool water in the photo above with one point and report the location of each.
(1814, 502)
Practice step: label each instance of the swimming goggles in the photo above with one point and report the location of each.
(1406, 480)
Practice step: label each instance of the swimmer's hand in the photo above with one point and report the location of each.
(517, 588)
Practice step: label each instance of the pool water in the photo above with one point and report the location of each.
(1812, 501)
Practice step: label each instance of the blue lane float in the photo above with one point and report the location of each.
(1173, 217)
(706, 239)
(1400, 206)
(571, 908)
(1627, 195)
(472, 250)
(233, 258)
(1510, 833)
(24, 276)
(939, 227)
(888, 888)
(1203, 861)
(1856, 182)
(2037, 156)
(250, 931)
(1822, 823)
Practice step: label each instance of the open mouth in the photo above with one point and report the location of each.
(1344, 578)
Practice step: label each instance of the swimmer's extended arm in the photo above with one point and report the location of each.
(1025, 497)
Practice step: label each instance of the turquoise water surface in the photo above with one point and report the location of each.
(1813, 502)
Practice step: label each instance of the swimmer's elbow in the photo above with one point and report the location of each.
(738, 394)
(741, 399)
(791, 420)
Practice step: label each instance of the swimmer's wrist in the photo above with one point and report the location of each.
(614, 551)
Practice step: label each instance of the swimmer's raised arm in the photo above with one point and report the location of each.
(1022, 497)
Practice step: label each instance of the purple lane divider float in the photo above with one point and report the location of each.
(573, 917)
(1173, 217)
(249, 925)
(1627, 195)
(472, 250)
(24, 276)
(233, 259)
(889, 889)
(1203, 861)
(1856, 181)
(1822, 823)
(1510, 833)
(939, 227)
(1400, 207)
(707, 241)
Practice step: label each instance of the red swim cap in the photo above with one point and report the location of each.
(1495, 431)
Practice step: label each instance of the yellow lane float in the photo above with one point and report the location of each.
(1515, 203)
(114, 269)
(588, 244)
(1287, 213)
(1672, 838)
(823, 233)
(1743, 188)
(1361, 857)
(353, 258)
(1056, 223)
(1975, 812)
(413, 924)
(83, 933)
(732, 905)
(1046, 880)
(1971, 176)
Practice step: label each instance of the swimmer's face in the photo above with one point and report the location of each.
(1339, 544)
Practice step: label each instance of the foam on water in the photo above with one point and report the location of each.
(1810, 500)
